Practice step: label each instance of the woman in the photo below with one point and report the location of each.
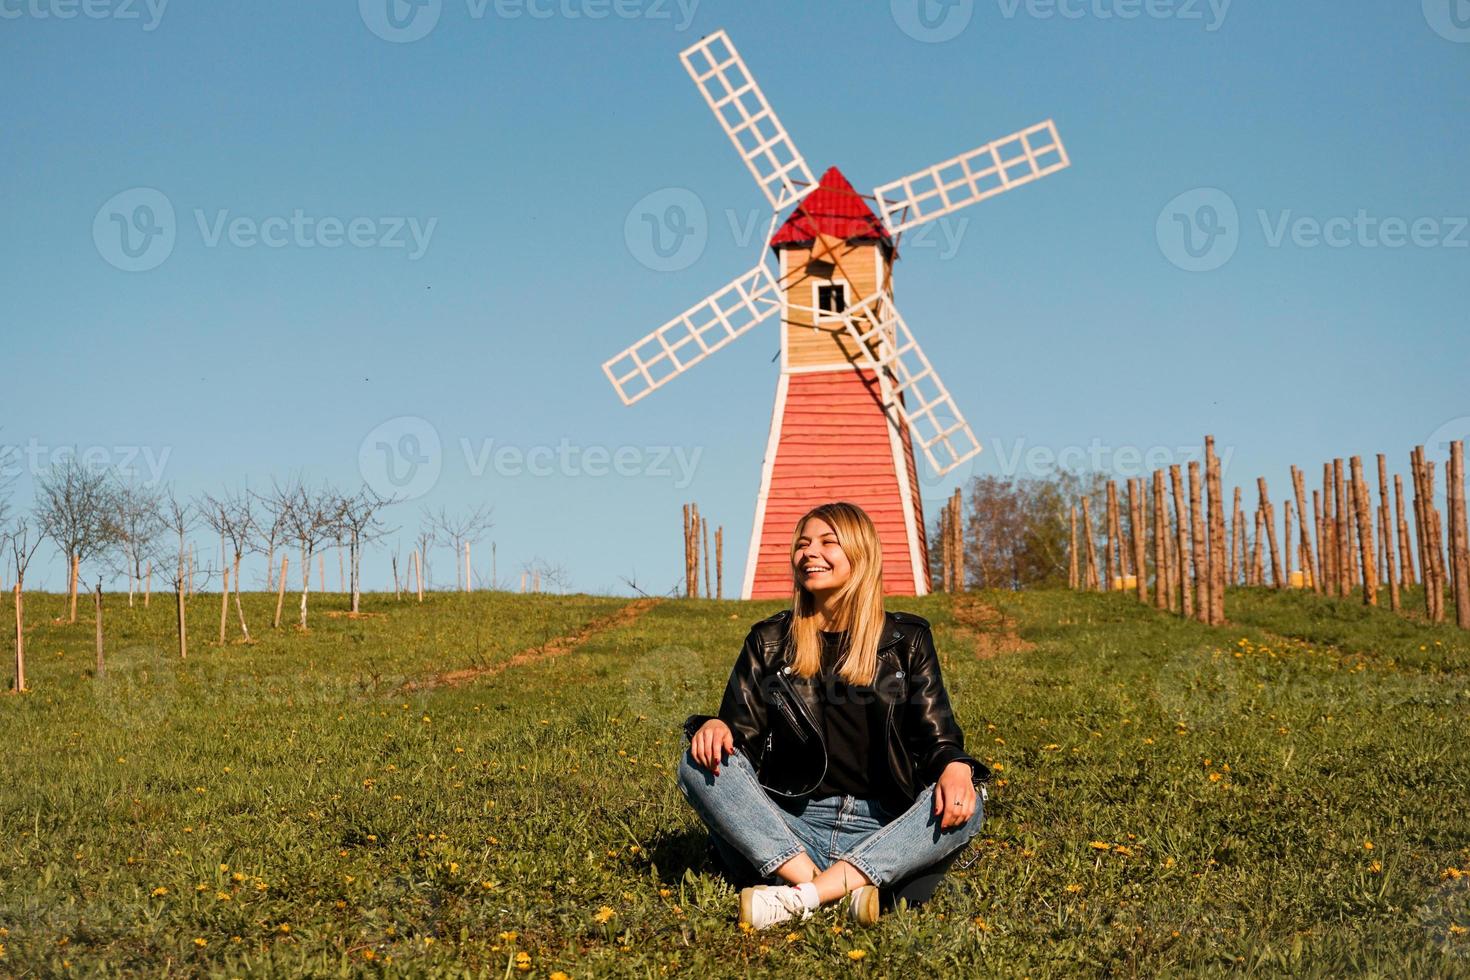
(835, 766)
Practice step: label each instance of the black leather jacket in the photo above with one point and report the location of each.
(776, 716)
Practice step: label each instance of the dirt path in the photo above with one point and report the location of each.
(993, 633)
(555, 647)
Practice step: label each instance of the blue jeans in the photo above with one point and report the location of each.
(885, 846)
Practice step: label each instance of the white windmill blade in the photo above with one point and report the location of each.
(996, 167)
(694, 334)
(920, 398)
(748, 119)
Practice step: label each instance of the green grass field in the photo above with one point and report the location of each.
(1286, 795)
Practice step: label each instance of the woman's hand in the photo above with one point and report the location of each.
(709, 744)
(954, 795)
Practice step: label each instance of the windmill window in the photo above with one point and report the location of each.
(833, 298)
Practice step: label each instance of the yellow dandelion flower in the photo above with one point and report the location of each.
(856, 954)
(1100, 845)
(223, 868)
(604, 914)
(1367, 845)
(559, 975)
(222, 896)
(523, 960)
(1074, 888)
(284, 928)
(1457, 930)
(238, 876)
(509, 937)
(160, 891)
(792, 937)
(200, 941)
(664, 893)
(1375, 867)
(981, 924)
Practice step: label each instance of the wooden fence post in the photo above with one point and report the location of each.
(1460, 535)
(1270, 514)
(281, 592)
(20, 638)
(1161, 546)
(1387, 534)
(1200, 555)
(1365, 534)
(1072, 567)
(1137, 528)
(1406, 561)
(1114, 558)
(1182, 535)
(1093, 579)
(101, 665)
(224, 603)
(1217, 532)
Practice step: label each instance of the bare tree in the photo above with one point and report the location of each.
(271, 531)
(22, 539)
(74, 505)
(231, 517)
(457, 530)
(361, 525)
(311, 520)
(139, 522)
(179, 519)
(540, 571)
(423, 543)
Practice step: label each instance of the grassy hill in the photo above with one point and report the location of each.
(448, 788)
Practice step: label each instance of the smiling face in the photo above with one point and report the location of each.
(820, 563)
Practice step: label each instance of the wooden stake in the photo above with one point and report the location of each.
(1199, 556)
(1237, 538)
(1090, 544)
(704, 533)
(76, 565)
(1321, 567)
(468, 586)
(1286, 515)
(720, 562)
(1073, 569)
(20, 639)
(183, 627)
(1406, 561)
(1309, 557)
(1161, 546)
(1182, 535)
(1369, 563)
(1270, 516)
(1460, 534)
(1114, 559)
(280, 593)
(148, 584)
(224, 603)
(101, 665)
(1137, 529)
(321, 572)
(1343, 517)
(1386, 534)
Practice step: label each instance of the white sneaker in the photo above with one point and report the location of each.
(766, 905)
(863, 905)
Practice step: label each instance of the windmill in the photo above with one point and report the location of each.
(856, 392)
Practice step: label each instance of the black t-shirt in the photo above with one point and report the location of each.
(857, 760)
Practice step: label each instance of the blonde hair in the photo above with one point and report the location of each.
(859, 601)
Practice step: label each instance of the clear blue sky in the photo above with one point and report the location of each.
(517, 137)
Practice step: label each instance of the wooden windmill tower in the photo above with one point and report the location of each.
(856, 393)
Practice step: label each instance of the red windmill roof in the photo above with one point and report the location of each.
(833, 209)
